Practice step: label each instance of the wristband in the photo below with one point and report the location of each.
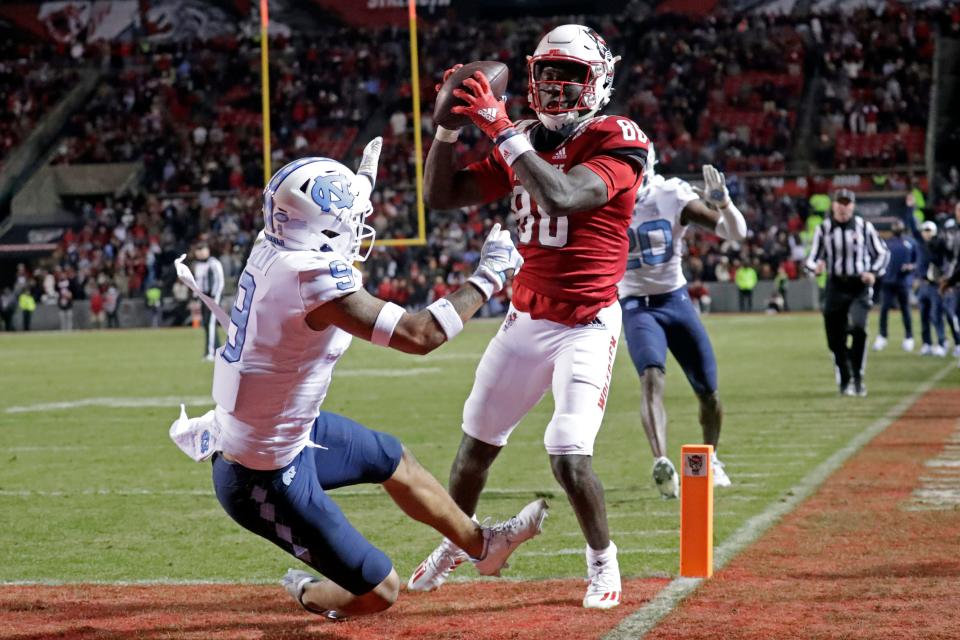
(447, 317)
(386, 322)
(446, 135)
(512, 145)
(486, 287)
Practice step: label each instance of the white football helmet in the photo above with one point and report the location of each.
(317, 204)
(571, 44)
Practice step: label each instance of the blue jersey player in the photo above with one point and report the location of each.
(275, 453)
(658, 313)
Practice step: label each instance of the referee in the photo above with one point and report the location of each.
(209, 275)
(854, 256)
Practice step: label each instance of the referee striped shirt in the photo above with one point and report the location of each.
(209, 275)
(848, 249)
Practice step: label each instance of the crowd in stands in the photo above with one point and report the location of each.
(723, 90)
(29, 86)
(877, 74)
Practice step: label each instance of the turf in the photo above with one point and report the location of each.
(96, 493)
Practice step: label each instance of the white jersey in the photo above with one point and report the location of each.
(656, 239)
(272, 375)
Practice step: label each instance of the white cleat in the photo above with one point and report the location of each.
(665, 477)
(603, 592)
(720, 477)
(908, 345)
(956, 351)
(437, 567)
(295, 581)
(502, 538)
(880, 343)
(939, 351)
(926, 350)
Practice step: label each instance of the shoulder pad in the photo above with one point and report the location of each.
(323, 277)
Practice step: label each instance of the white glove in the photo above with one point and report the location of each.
(184, 273)
(715, 187)
(497, 256)
(186, 277)
(370, 160)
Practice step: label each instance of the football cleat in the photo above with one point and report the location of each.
(956, 351)
(859, 389)
(720, 477)
(847, 390)
(665, 477)
(939, 351)
(926, 350)
(908, 345)
(603, 592)
(880, 343)
(435, 569)
(502, 538)
(295, 581)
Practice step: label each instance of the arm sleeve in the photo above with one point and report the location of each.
(492, 176)
(816, 249)
(878, 251)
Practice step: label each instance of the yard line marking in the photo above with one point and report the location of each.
(113, 402)
(643, 533)
(579, 551)
(174, 401)
(941, 490)
(637, 624)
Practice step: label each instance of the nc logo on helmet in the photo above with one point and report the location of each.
(332, 190)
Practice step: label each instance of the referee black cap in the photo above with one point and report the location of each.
(844, 194)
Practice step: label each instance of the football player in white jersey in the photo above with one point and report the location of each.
(275, 453)
(658, 314)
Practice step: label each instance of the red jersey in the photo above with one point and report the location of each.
(572, 264)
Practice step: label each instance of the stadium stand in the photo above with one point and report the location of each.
(770, 99)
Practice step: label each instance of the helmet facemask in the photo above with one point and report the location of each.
(570, 76)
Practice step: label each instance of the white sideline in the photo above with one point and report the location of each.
(637, 624)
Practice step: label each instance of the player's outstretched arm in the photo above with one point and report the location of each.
(721, 216)
(387, 324)
(444, 186)
(557, 193)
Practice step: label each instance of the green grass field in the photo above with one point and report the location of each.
(99, 493)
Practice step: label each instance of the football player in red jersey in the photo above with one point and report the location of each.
(572, 177)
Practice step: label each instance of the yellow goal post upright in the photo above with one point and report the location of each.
(265, 87)
(421, 237)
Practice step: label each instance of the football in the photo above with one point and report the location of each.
(497, 75)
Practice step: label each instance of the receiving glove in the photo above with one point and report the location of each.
(497, 256)
(446, 74)
(483, 108)
(370, 160)
(715, 187)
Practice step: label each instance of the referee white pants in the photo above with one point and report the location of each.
(529, 356)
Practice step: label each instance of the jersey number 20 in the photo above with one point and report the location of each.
(654, 239)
